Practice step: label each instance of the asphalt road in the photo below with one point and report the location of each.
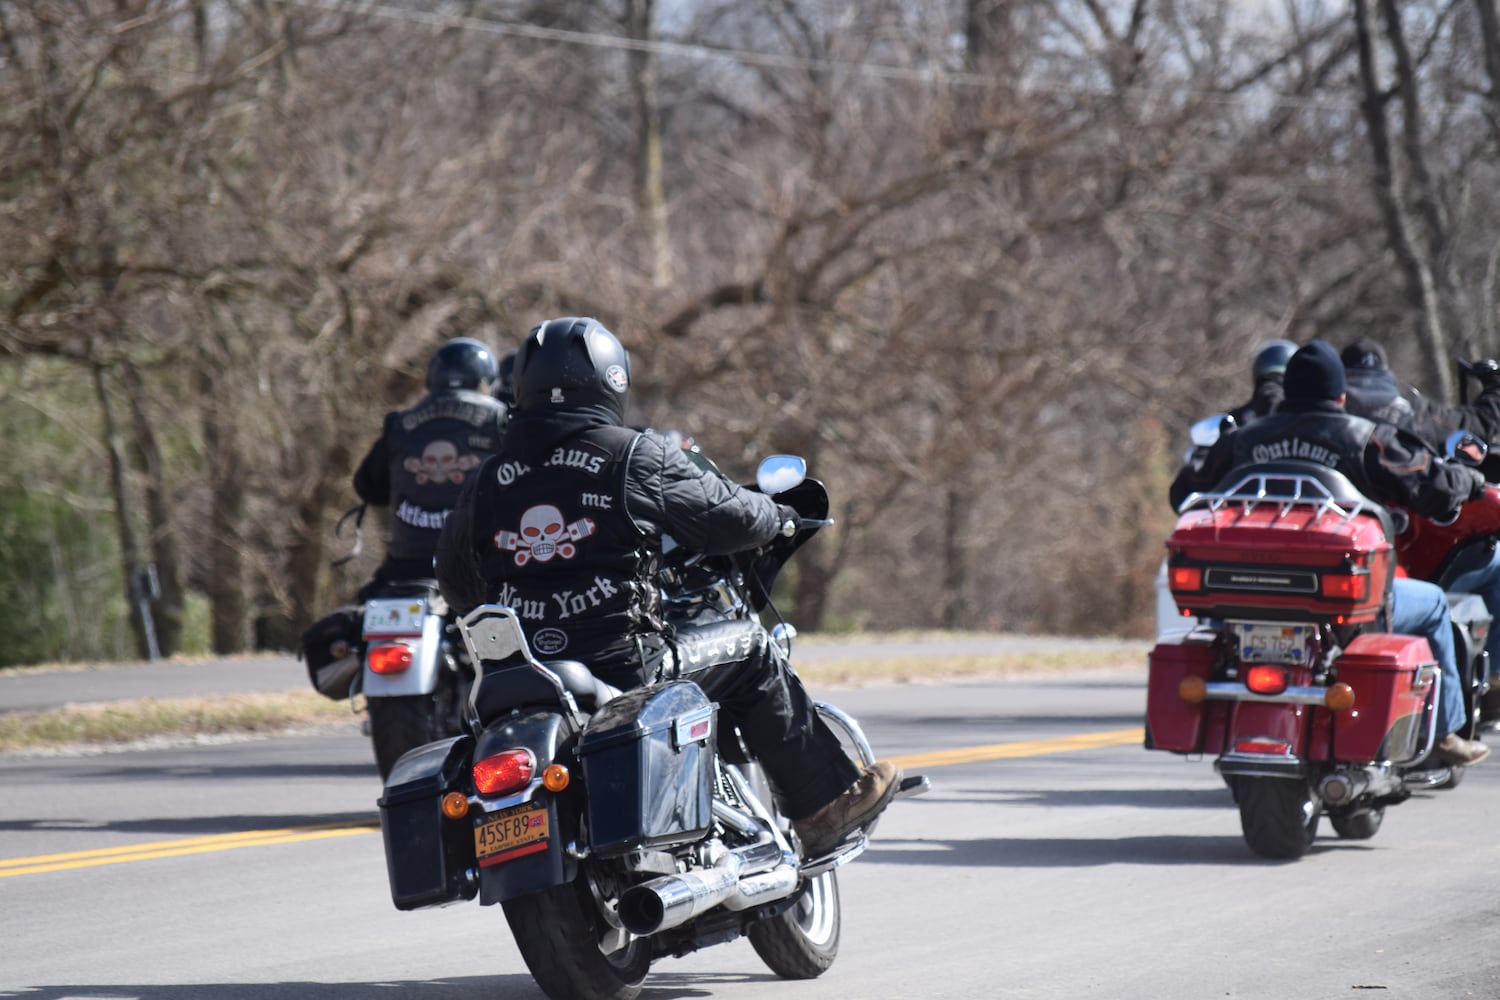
(1054, 858)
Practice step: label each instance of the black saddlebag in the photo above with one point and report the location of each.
(331, 647)
(429, 858)
(647, 760)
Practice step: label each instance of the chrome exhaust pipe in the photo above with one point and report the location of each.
(672, 900)
(1346, 786)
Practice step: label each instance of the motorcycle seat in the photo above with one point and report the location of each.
(498, 691)
(589, 691)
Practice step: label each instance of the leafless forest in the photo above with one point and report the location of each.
(981, 261)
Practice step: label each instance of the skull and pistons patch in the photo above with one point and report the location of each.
(441, 463)
(544, 535)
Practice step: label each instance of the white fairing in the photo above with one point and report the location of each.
(408, 620)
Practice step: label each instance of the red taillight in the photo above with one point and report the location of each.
(390, 658)
(1186, 578)
(1266, 680)
(1345, 587)
(504, 772)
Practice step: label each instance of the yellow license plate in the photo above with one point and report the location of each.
(511, 833)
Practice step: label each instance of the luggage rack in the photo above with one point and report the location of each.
(1253, 490)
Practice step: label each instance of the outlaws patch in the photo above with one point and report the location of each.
(544, 535)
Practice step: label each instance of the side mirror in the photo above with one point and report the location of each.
(778, 473)
(1206, 431)
(1465, 448)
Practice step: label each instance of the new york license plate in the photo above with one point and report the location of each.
(511, 833)
(1272, 643)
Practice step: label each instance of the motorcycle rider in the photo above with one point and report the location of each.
(1267, 369)
(425, 454)
(565, 525)
(1375, 392)
(1386, 464)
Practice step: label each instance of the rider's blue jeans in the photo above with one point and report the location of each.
(1485, 581)
(1421, 608)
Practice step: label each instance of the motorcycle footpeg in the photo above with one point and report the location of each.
(835, 858)
(911, 785)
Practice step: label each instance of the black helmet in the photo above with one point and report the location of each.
(1271, 358)
(505, 386)
(572, 361)
(462, 363)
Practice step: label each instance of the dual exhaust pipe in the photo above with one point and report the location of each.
(742, 878)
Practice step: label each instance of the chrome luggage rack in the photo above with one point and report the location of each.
(1253, 490)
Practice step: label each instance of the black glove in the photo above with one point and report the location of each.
(1476, 487)
(1487, 372)
(789, 519)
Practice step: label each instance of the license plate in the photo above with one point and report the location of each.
(1272, 643)
(511, 833)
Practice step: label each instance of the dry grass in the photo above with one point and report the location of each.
(95, 726)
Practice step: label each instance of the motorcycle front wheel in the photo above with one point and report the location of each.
(558, 932)
(802, 941)
(1279, 816)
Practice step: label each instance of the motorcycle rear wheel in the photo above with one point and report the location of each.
(802, 941)
(1279, 816)
(557, 932)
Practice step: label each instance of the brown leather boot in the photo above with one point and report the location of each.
(859, 804)
(1454, 749)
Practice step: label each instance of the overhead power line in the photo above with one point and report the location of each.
(772, 60)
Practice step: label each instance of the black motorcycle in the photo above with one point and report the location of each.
(616, 828)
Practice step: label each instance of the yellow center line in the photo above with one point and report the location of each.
(180, 848)
(1027, 748)
(322, 831)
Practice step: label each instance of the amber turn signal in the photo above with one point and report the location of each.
(1339, 697)
(1192, 690)
(555, 778)
(455, 805)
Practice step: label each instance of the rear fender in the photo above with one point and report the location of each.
(426, 661)
(1265, 739)
(550, 735)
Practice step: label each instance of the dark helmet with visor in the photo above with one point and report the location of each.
(572, 361)
(1271, 358)
(462, 363)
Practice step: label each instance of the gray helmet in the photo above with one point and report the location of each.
(1271, 358)
(572, 361)
(462, 363)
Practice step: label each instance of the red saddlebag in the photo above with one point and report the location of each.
(1391, 694)
(1171, 723)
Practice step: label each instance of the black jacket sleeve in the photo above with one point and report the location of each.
(456, 560)
(1405, 471)
(1198, 476)
(1434, 421)
(667, 493)
(372, 480)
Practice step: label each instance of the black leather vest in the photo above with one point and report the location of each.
(1326, 437)
(434, 447)
(556, 544)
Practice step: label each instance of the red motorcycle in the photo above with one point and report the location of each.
(1290, 679)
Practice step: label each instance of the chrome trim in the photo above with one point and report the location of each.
(1236, 691)
(1430, 707)
(846, 722)
(1265, 765)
